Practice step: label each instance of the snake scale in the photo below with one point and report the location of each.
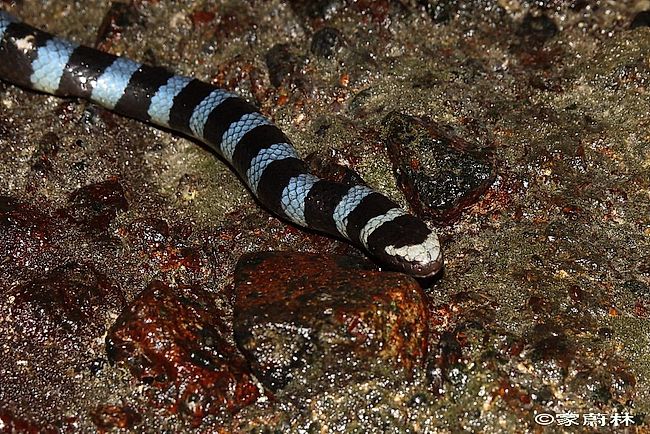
(259, 152)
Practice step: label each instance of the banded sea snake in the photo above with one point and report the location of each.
(258, 151)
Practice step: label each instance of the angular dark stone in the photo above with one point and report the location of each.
(283, 65)
(74, 300)
(177, 340)
(95, 206)
(439, 173)
(315, 9)
(440, 11)
(537, 29)
(292, 309)
(642, 19)
(637, 287)
(325, 42)
(443, 359)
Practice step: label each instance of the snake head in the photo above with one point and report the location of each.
(406, 244)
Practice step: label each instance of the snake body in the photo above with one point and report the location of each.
(260, 152)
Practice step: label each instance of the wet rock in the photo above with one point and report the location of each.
(202, 17)
(146, 234)
(318, 9)
(605, 332)
(234, 21)
(167, 250)
(95, 206)
(642, 19)
(97, 365)
(380, 11)
(293, 309)
(48, 149)
(325, 42)
(284, 66)
(537, 30)
(11, 424)
(113, 416)
(637, 287)
(74, 300)
(444, 358)
(118, 17)
(605, 386)
(439, 173)
(550, 342)
(440, 11)
(25, 235)
(177, 340)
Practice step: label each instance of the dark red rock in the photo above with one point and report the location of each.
(113, 416)
(24, 217)
(11, 424)
(513, 395)
(147, 234)
(202, 17)
(439, 173)
(95, 206)
(550, 342)
(167, 249)
(118, 17)
(234, 22)
(25, 236)
(294, 308)
(177, 340)
(154, 237)
(74, 300)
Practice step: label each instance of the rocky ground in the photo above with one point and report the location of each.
(141, 285)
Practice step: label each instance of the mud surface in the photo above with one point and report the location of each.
(544, 303)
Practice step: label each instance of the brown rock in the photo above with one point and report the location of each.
(177, 340)
(147, 234)
(167, 249)
(95, 206)
(113, 416)
(26, 233)
(74, 300)
(294, 308)
(11, 424)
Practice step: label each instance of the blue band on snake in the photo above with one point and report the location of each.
(260, 153)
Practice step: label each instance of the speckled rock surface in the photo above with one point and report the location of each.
(544, 303)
